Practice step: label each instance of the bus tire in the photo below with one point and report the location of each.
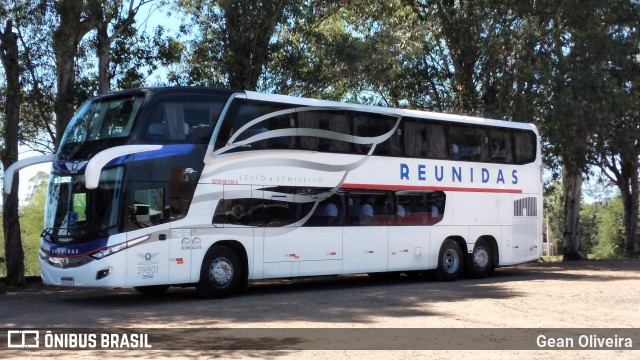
(450, 262)
(221, 273)
(480, 263)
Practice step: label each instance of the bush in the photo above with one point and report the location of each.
(610, 233)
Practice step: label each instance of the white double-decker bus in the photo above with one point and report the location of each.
(177, 186)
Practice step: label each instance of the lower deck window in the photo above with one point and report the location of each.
(355, 208)
(420, 208)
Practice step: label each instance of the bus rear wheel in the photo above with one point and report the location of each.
(480, 263)
(221, 273)
(450, 262)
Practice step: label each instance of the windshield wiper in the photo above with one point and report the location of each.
(49, 235)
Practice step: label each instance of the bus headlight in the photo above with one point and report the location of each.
(65, 262)
(119, 247)
(109, 251)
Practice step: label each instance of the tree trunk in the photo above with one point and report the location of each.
(103, 18)
(65, 50)
(66, 39)
(13, 252)
(572, 186)
(103, 45)
(13, 243)
(629, 193)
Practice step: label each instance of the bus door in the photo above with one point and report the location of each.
(300, 238)
(409, 240)
(319, 234)
(147, 262)
(234, 219)
(366, 239)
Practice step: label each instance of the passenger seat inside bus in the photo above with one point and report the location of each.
(159, 131)
(156, 131)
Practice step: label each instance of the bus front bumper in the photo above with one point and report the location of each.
(93, 273)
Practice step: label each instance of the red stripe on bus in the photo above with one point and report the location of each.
(430, 188)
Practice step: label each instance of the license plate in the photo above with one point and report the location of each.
(66, 281)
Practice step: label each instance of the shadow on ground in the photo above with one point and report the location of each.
(356, 299)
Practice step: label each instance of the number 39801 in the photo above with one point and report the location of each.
(149, 269)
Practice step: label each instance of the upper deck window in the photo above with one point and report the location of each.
(259, 125)
(100, 119)
(247, 127)
(182, 119)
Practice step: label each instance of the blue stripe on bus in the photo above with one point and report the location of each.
(166, 151)
(75, 167)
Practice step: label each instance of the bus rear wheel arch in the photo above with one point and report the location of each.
(221, 274)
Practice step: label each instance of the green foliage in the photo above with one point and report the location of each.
(3, 262)
(230, 41)
(602, 231)
(31, 222)
(589, 225)
(553, 212)
(136, 55)
(610, 232)
(319, 55)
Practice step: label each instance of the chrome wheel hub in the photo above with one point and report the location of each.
(221, 272)
(480, 257)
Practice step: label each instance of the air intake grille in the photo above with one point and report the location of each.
(525, 207)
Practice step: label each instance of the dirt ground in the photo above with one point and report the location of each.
(581, 295)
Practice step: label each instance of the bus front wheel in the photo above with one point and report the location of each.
(450, 262)
(221, 273)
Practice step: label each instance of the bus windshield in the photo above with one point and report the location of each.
(74, 213)
(100, 119)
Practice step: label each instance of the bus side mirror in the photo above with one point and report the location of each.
(21, 164)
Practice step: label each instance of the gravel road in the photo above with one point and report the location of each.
(581, 295)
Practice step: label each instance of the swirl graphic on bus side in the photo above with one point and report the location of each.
(239, 154)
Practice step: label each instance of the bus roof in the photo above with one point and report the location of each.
(171, 90)
(253, 95)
